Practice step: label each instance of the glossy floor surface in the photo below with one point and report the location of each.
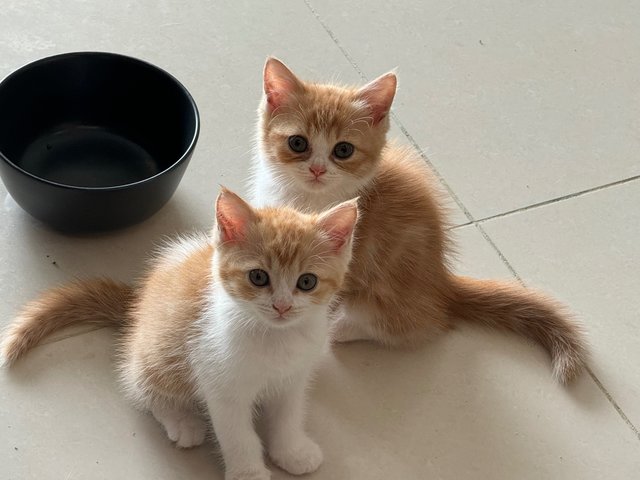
(530, 115)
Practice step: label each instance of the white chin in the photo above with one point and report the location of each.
(281, 322)
(313, 185)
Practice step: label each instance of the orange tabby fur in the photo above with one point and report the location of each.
(227, 323)
(400, 289)
(158, 318)
(98, 301)
(156, 321)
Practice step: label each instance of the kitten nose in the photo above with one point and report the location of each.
(281, 307)
(317, 170)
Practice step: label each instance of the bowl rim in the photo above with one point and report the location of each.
(185, 155)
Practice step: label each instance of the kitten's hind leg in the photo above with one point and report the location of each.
(184, 427)
(351, 324)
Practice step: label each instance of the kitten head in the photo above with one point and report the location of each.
(279, 264)
(323, 138)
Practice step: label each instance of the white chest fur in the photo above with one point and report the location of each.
(236, 353)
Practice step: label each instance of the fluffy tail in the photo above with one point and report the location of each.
(511, 307)
(97, 301)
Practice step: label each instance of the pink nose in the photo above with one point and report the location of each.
(281, 308)
(317, 170)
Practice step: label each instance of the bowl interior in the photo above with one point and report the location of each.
(94, 120)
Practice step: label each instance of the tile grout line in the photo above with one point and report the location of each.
(503, 259)
(466, 224)
(617, 407)
(593, 376)
(395, 118)
(405, 132)
(477, 223)
(435, 171)
(551, 201)
(335, 40)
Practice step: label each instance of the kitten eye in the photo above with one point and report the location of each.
(307, 281)
(298, 144)
(259, 278)
(343, 150)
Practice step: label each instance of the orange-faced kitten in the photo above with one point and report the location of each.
(219, 325)
(322, 144)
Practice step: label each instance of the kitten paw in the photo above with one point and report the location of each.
(258, 473)
(344, 328)
(339, 328)
(339, 333)
(303, 456)
(190, 432)
(342, 331)
(185, 428)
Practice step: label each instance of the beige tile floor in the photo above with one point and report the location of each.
(529, 112)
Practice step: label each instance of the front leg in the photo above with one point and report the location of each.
(288, 445)
(232, 419)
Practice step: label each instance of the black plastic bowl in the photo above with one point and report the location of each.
(94, 141)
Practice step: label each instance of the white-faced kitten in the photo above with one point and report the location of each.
(220, 325)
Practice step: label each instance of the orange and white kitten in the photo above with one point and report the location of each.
(220, 324)
(321, 144)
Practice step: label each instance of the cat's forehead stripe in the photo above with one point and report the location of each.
(331, 109)
(287, 240)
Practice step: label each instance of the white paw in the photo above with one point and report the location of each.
(345, 328)
(187, 431)
(254, 473)
(339, 333)
(342, 330)
(339, 328)
(302, 456)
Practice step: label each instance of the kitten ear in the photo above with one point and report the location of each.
(279, 83)
(379, 94)
(339, 223)
(233, 216)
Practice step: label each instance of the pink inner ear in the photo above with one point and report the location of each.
(231, 230)
(379, 94)
(339, 223)
(279, 83)
(233, 215)
(274, 100)
(339, 237)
